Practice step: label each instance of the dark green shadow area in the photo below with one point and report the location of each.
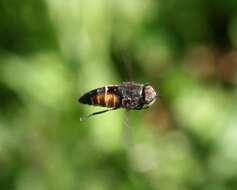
(25, 27)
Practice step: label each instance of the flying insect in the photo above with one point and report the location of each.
(128, 95)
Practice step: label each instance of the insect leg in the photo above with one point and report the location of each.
(96, 113)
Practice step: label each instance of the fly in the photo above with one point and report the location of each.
(128, 95)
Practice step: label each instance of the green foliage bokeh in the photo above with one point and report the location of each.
(51, 52)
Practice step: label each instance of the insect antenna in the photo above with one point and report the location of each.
(95, 113)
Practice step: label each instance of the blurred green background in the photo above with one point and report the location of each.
(53, 51)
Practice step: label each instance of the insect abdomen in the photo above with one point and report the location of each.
(105, 96)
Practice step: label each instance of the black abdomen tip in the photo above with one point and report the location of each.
(85, 99)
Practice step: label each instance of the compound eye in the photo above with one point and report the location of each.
(149, 94)
(144, 93)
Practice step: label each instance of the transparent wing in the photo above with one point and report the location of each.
(127, 132)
